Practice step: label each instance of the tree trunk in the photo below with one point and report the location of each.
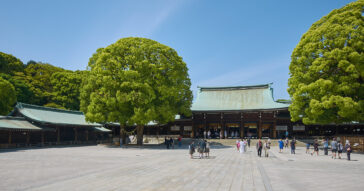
(140, 129)
(122, 133)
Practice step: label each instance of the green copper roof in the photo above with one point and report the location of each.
(16, 123)
(53, 116)
(236, 98)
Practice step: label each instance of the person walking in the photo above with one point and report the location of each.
(171, 142)
(339, 149)
(241, 146)
(259, 147)
(209, 134)
(348, 149)
(249, 142)
(204, 134)
(245, 142)
(280, 144)
(179, 141)
(266, 148)
(315, 148)
(307, 148)
(286, 142)
(293, 146)
(207, 150)
(191, 149)
(333, 148)
(326, 146)
(237, 145)
(167, 142)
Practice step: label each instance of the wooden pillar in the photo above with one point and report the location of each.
(28, 138)
(260, 126)
(181, 130)
(241, 125)
(274, 125)
(42, 138)
(58, 135)
(205, 128)
(9, 138)
(75, 129)
(222, 130)
(275, 128)
(193, 127)
(86, 135)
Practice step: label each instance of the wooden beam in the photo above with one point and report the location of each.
(260, 127)
(241, 125)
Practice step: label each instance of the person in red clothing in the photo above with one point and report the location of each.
(179, 141)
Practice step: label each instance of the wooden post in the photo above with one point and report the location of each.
(75, 129)
(260, 126)
(58, 135)
(9, 138)
(241, 125)
(222, 132)
(28, 138)
(181, 129)
(86, 135)
(275, 128)
(42, 134)
(193, 128)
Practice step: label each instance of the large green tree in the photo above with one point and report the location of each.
(135, 81)
(327, 69)
(7, 96)
(10, 64)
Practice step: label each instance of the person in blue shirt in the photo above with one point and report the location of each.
(281, 144)
(307, 148)
(326, 146)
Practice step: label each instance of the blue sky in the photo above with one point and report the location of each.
(224, 43)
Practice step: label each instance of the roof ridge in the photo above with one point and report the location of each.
(20, 105)
(268, 85)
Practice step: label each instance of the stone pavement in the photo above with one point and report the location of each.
(155, 168)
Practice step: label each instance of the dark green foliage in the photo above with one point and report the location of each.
(327, 69)
(10, 64)
(7, 96)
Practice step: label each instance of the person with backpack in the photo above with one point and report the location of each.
(348, 149)
(191, 149)
(266, 148)
(333, 148)
(326, 146)
(293, 146)
(259, 147)
(339, 149)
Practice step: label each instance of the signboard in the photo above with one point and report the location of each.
(298, 128)
(175, 128)
(281, 127)
(187, 128)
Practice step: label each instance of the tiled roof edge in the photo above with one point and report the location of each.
(20, 105)
(260, 86)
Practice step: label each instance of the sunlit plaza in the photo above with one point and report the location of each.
(156, 168)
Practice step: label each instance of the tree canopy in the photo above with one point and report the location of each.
(7, 96)
(10, 64)
(327, 69)
(135, 81)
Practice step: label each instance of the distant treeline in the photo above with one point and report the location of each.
(41, 83)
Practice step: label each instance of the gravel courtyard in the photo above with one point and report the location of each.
(155, 168)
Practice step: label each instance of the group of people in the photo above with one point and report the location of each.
(169, 142)
(241, 145)
(202, 147)
(284, 144)
(336, 148)
(263, 146)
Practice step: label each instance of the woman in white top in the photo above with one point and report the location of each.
(242, 146)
